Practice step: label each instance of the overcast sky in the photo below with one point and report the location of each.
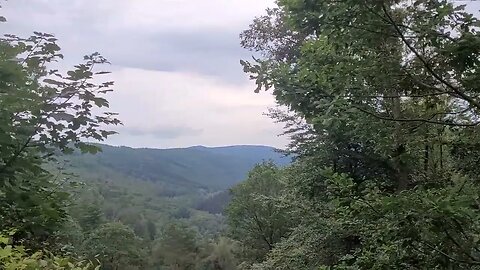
(175, 63)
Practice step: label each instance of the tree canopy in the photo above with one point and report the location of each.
(383, 109)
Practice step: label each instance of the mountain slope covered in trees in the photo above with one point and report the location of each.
(195, 167)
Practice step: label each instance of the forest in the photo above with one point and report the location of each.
(378, 98)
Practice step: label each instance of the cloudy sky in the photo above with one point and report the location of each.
(175, 64)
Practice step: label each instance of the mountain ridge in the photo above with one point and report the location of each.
(212, 168)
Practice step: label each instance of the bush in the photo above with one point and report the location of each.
(18, 258)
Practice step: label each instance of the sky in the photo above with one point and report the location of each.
(175, 63)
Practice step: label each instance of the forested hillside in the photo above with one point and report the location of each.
(380, 101)
(197, 167)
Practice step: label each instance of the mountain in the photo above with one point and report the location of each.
(199, 167)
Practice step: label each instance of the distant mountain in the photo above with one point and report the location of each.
(216, 168)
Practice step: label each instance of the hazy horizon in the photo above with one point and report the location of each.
(193, 146)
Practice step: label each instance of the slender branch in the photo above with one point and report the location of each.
(427, 66)
(32, 51)
(449, 256)
(455, 242)
(425, 85)
(262, 233)
(386, 96)
(15, 156)
(418, 120)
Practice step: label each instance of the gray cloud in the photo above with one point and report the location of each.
(214, 53)
(176, 69)
(168, 44)
(165, 132)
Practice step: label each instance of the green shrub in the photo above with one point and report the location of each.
(18, 258)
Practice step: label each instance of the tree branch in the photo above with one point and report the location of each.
(427, 66)
(443, 123)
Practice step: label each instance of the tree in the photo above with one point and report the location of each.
(90, 217)
(384, 109)
(221, 255)
(116, 247)
(255, 217)
(42, 113)
(176, 248)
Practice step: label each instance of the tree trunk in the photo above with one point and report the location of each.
(402, 175)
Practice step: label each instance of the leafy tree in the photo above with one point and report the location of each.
(43, 112)
(116, 247)
(222, 255)
(151, 229)
(177, 248)
(88, 215)
(384, 113)
(181, 213)
(332, 76)
(255, 217)
(215, 204)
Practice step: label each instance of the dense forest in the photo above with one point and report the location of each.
(380, 101)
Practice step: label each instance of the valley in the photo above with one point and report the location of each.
(160, 186)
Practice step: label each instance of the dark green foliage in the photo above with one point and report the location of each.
(177, 247)
(181, 212)
(90, 217)
(255, 215)
(382, 102)
(148, 213)
(216, 203)
(384, 122)
(221, 256)
(35, 208)
(43, 113)
(116, 247)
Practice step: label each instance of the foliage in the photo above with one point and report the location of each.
(18, 258)
(383, 117)
(255, 215)
(43, 112)
(115, 246)
(215, 204)
(177, 248)
(422, 228)
(222, 255)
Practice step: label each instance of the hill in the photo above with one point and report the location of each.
(198, 167)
